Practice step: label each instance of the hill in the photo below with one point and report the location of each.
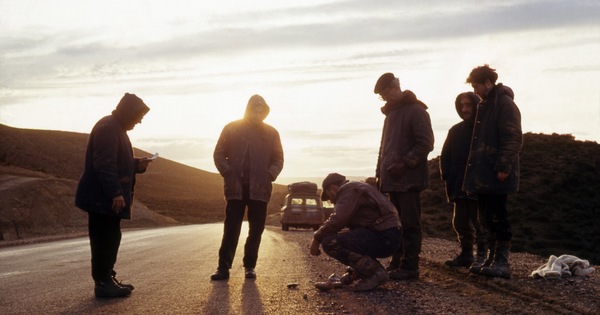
(39, 173)
(555, 212)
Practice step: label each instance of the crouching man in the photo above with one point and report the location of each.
(374, 231)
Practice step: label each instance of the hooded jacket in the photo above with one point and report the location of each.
(110, 167)
(495, 145)
(407, 138)
(252, 147)
(455, 152)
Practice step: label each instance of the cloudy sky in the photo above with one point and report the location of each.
(65, 64)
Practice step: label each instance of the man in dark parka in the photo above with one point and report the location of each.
(105, 189)
(453, 161)
(249, 156)
(493, 165)
(402, 170)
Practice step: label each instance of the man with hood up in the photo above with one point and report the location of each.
(402, 169)
(105, 190)
(249, 156)
(493, 166)
(453, 162)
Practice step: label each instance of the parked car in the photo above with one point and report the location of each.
(302, 207)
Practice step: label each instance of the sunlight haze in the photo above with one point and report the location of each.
(66, 64)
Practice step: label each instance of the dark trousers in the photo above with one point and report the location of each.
(349, 247)
(409, 209)
(234, 215)
(494, 216)
(105, 239)
(466, 223)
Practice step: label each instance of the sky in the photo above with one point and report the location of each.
(65, 64)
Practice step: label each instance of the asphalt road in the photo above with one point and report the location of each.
(170, 268)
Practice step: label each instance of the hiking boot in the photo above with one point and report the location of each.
(348, 278)
(121, 284)
(481, 262)
(368, 284)
(404, 274)
(250, 273)
(108, 289)
(464, 259)
(220, 275)
(500, 266)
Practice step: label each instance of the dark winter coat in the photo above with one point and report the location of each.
(260, 143)
(495, 146)
(359, 205)
(109, 169)
(455, 152)
(406, 140)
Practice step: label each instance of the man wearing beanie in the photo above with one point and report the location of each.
(374, 231)
(105, 190)
(402, 170)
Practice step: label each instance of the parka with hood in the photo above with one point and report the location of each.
(455, 151)
(247, 145)
(110, 167)
(407, 138)
(495, 145)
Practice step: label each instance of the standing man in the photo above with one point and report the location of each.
(105, 190)
(374, 230)
(249, 156)
(493, 165)
(402, 169)
(453, 162)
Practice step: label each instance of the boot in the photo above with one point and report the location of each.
(109, 288)
(480, 256)
(349, 277)
(500, 266)
(371, 274)
(121, 284)
(464, 259)
(481, 262)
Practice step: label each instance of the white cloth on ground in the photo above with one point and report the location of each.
(563, 266)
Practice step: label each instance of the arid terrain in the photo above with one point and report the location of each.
(557, 211)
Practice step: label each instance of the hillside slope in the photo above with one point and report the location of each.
(557, 210)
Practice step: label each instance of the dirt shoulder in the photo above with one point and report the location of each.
(442, 290)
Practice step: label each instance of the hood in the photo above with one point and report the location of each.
(501, 89)
(257, 101)
(130, 109)
(408, 98)
(474, 99)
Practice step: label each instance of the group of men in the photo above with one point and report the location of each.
(479, 163)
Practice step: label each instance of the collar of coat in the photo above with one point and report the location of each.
(408, 98)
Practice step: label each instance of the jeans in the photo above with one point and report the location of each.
(105, 239)
(349, 247)
(234, 215)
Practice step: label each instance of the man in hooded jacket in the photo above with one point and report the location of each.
(402, 169)
(453, 161)
(493, 166)
(249, 156)
(105, 189)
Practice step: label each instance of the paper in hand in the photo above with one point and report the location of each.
(153, 157)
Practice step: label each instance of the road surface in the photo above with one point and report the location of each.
(170, 268)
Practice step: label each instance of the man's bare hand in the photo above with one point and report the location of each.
(502, 176)
(118, 203)
(314, 248)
